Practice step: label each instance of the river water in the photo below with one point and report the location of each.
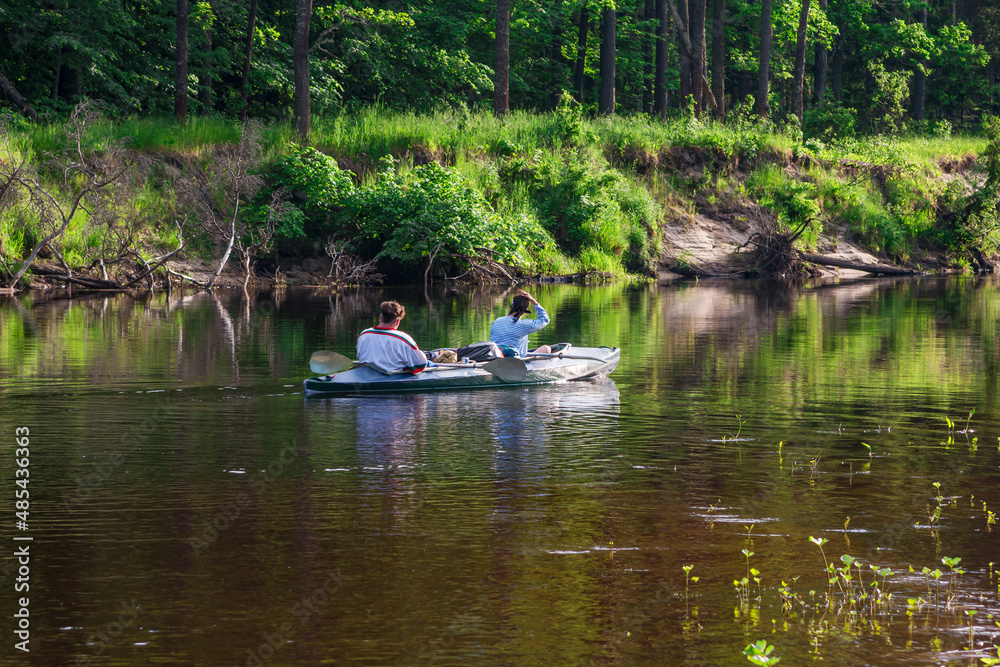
(189, 506)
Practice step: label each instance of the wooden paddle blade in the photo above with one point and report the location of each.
(325, 362)
(508, 369)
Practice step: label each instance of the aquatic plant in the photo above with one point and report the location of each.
(759, 653)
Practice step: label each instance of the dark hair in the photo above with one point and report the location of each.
(390, 311)
(518, 306)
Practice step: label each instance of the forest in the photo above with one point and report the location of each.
(487, 137)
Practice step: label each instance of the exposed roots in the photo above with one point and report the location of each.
(773, 253)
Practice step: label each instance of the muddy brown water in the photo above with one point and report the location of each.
(189, 506)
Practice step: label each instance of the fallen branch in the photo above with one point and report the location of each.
(15, 96)
(77, 279)
(868, 268)
(159, 261)
(184, 277)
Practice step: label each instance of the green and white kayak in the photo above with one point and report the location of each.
(576, 363)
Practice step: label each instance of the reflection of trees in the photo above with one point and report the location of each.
(869, 343)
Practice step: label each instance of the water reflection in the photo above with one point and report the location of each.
(511, 427)
(533, 525)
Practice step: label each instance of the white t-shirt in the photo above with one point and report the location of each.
(390, 350)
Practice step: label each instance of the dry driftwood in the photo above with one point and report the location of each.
(76, 279)
(857, 266)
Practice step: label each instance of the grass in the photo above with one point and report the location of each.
(550, 166)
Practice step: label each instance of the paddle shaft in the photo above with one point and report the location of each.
(559, 355)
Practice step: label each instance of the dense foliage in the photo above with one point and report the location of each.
(421, 55)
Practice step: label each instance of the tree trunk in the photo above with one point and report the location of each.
(697, 31)
(558, 63)
(58, 75)
(181, 70)
(838, 68)
(920, 80)
(300, 58)
(799, 71)
(205, 79)
(11, 92)
(857, 266)
(248, 51)
(230, 243)
(764, 72)
(581, 53)
(501, 63)
(662, 50)
(684, 62)
(648, 58)
(606, 103)
(719, 55)
(819, 69)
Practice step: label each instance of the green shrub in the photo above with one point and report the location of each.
(432, 211)
(828, 122)
(315, 187)
(584, 203)
(794, 202)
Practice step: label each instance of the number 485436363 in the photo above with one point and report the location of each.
(21, 456)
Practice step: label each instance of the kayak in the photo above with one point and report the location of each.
(576, 363)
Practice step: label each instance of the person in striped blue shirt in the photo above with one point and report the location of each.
(512, 331)
(388, 348)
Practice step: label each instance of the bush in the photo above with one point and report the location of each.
(315, 187)
(829, 122)
(432, 211)
(585, 204)
(793, 202)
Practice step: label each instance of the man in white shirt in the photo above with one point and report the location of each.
(388, 348)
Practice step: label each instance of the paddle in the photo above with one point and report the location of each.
(560, 355)
(508, 369)
(324, 362)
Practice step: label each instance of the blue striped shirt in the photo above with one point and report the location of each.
(505, 331)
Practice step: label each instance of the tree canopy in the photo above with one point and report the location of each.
(423, 54)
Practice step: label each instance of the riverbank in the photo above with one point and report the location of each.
(441, 196)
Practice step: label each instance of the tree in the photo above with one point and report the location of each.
(180, 80)
(697, 32)
(660, 80)
(799, 72)
(11, 92)
(235, 183)
(248, 52)
(606, 103)
(205, 76)
(763, 73)
(649, 57)
(820, 66)
(501, 63)
(719, 55)
(683, 19)
(581, 53)
(920, 80)
(96, 184)
(300, 58)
